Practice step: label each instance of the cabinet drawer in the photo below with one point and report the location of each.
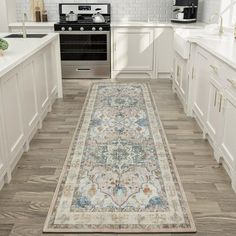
(219, 70)
(229, 77)
(84, 72)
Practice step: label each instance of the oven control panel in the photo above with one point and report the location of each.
(77, 27)
(84, 9)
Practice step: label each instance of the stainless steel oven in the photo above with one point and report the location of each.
(85, 44)
(85, 54)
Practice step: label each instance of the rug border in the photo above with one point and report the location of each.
(47, 229)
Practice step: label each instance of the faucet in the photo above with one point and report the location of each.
(221, 29)
(23, 25)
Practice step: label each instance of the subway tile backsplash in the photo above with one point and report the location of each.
(131, 10)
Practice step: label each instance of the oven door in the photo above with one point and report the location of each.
(85, 46)
(85, 54)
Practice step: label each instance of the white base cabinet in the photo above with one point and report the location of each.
(181, 79)
(133, 52)
(201, 85)
(214, 107)
(164, 52)
(228, 133)
(26, 95)
(141, 52)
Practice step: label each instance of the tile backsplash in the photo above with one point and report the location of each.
(131, 10)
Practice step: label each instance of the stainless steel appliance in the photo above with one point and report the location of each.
(85, 45)
(185, 11)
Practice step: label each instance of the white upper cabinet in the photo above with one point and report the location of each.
(133, 49)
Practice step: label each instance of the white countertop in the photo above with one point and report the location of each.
(156, 24)
(20, 49)
(223, 47)
(120, 24)
(32, 24)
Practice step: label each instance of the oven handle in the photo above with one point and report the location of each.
(78, 69)
(82, 32)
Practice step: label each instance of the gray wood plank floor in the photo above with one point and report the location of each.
(25, 202)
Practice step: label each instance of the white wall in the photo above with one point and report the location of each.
(7, 13)
(207, 8)
(133, 10)
(4, 17)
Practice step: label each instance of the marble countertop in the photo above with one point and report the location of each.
(120, 24)
(32, 24)
(156, 24)
(21, 49)
(223, 47)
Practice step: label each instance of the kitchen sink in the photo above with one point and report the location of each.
(28, 36)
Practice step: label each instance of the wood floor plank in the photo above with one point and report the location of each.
(25, 202)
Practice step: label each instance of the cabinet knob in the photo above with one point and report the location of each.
(214, 68)
(232, 82)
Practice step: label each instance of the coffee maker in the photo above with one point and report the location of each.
(185, 11)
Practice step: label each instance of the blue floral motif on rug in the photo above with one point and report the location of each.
(119, 175)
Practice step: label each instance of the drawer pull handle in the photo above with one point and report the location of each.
(214, 68)
(221, 103)
(232, 82)
(193, 73)
(216, 93)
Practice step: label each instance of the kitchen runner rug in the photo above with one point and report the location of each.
(119, 175)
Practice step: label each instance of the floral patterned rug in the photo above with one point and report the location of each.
(119, 175)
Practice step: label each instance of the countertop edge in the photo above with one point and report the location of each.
(32, 24)
(219, 56)
(52, 37)
(116, 24)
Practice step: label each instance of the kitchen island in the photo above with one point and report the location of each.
(30, 81)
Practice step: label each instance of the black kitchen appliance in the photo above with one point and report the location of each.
(185, 11)
(85, 45)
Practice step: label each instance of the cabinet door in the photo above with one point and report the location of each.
(41, 81)
(201, 86)
(213, 115)
(133, 49)
(228, 127)
(28, 96)
(12, 112)
(2, 147)
(50, 70)
(180, 76)
(164, 39)
(177, 72)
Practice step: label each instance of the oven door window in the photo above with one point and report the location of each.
(84, 47)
